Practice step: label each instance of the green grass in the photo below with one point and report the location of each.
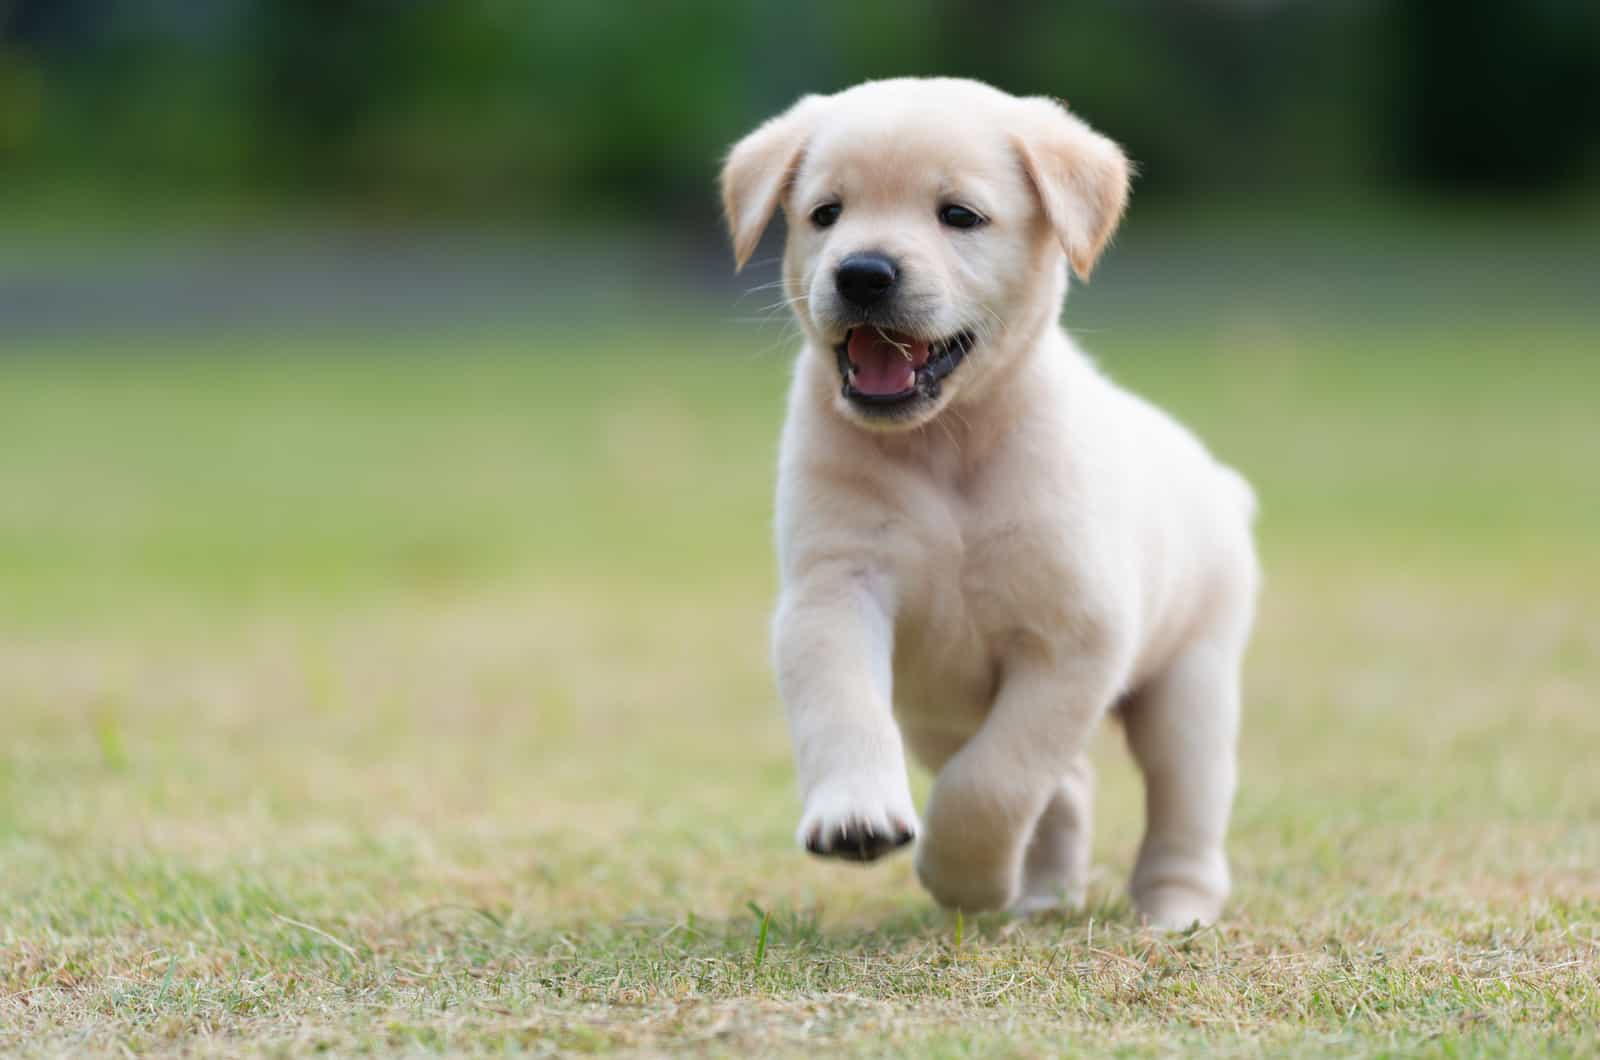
(410, 693)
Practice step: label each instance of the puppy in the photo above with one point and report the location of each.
(985, 545)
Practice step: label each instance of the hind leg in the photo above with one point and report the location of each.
(1056, 870)
(1183, 730)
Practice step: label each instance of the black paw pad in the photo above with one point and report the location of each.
(855, 841)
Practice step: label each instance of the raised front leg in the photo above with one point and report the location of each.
(989, 799)
(833, 639)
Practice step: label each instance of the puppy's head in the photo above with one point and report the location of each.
(929, 221)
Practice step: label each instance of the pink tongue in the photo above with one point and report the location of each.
(881, 367)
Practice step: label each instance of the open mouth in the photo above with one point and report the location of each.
(883, 368)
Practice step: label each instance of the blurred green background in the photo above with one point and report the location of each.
(1397, 198)
(563, 112)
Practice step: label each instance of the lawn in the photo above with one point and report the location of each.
(366, 691)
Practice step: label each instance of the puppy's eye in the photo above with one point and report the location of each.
(826, 214)
(959, 216)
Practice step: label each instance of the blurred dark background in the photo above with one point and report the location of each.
(563, 112)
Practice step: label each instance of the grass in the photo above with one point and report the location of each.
(408, 693)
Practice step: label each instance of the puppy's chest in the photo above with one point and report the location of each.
(965, 597)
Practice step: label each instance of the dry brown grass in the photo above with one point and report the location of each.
(318, 791)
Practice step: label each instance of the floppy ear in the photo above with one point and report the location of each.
(758, 170)
(1081, 178)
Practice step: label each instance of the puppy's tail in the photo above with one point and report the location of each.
(1241, 488)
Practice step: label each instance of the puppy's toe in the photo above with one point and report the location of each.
(858, 840)
(858, 820)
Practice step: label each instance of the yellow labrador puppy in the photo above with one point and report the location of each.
(985, 544)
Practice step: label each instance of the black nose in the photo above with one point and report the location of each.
(863, 279)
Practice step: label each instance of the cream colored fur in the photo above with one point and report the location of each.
(985, 578)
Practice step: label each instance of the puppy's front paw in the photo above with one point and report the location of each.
(957, 882)
(971, 856)
(857, 822)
